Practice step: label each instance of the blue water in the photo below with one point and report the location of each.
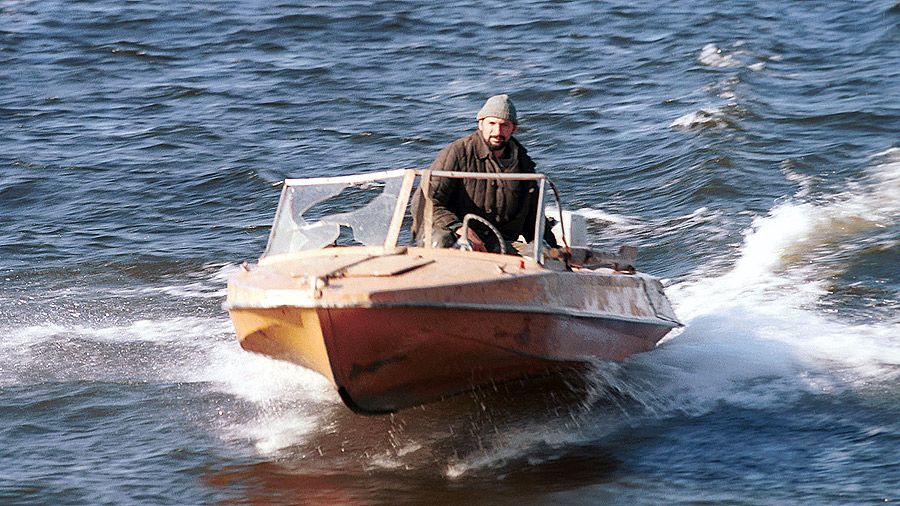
(750, 149)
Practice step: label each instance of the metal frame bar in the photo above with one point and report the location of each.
(393, 235)
(353, 178)
(278, 211)
(539, 222)
(428, 212)
(486, 175)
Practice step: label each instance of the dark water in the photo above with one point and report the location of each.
(749, 148)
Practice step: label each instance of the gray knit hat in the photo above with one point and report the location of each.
(499, 106)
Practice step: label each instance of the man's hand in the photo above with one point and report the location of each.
(474, 240)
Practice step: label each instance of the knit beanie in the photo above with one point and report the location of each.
(499, 106)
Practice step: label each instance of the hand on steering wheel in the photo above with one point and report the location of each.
(468, 243)
(475, 241)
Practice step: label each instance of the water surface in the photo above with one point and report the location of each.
(750, 150)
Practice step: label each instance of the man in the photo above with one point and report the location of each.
(511, 206)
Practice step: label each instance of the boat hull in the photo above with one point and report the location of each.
(286, 333)
(388, 358)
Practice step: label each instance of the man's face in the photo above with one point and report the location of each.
(496, 131)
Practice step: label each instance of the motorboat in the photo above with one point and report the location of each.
(342, 290)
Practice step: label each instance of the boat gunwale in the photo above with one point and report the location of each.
(547, 310)
(374, 251)
(298, 296)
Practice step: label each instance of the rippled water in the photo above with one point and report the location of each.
(750, 149)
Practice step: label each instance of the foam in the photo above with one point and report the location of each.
(260, 379)
(273, 432)
(590, 213)
(20, 337)
(757, 67)
(755, 335)
(711, 55)
(885, 177)
(515, 443)
(170, 330)
(201, 350)
(601, 215)
(209, 287)
(707, 117)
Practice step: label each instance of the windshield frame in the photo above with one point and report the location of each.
(403, 198)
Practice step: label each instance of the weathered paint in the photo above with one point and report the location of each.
(285, 333)
(388, 359)
(413, 325)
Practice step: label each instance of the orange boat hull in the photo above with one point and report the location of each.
(385, 359)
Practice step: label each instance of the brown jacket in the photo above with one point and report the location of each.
(509, 205)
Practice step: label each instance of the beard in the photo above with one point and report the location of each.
(497, 143)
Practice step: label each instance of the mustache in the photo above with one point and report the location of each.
(498, 141)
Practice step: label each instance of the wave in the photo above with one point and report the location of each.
(248, 397)
(755, 337)
(710, 117)
(726, 116)
(762, 319)
(712, 55)
(594, 214)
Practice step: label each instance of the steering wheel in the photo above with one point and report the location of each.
(463, 242)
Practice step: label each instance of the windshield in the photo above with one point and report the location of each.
(364, 210)
(335, 212)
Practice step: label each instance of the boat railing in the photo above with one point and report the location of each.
(380, 221)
